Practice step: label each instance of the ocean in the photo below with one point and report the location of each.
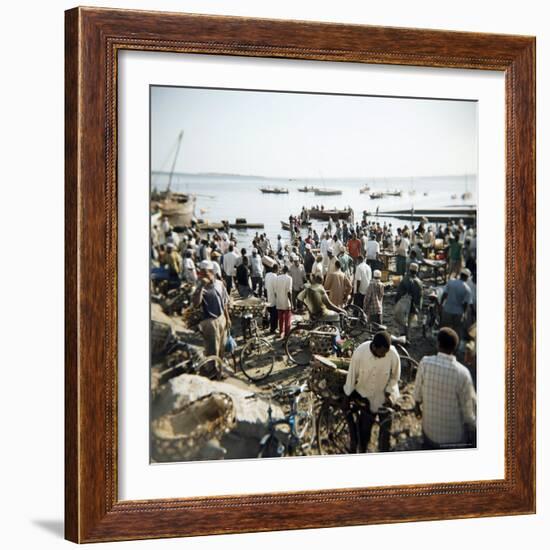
(227, 197)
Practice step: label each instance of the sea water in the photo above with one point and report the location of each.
(227, 197)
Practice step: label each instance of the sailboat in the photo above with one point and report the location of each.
(179, 208)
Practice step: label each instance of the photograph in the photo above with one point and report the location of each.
(313, 274)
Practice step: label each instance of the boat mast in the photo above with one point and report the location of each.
(180, 136)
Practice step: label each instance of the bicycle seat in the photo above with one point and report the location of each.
(401, 340)
(377, 326)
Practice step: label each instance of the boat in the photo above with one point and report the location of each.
(306, 189)
(376, 195)
(439, 215)
(395, 193)
(286, 225)
(241, 223)
(365, 189)
(274, 190)
(454, 197)
(325, 192)
(325, 215)
(179, 208)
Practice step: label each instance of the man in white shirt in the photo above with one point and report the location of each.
(283, 301)
(269, 283)
(373, 249)
(361, 281)
(402, 253)
(230, 267)
(372, 382)
(323, 249)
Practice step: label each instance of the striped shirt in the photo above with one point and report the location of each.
(445, 389)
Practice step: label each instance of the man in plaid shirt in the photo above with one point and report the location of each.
(445, 390)
(374, 298)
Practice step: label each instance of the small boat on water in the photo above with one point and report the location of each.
(466, 196)
(395, 193)
(325, 215)
(274, 190)
(454, 197)
(376, 195)
(241, 223)
(306, 189)
(286, 225)
(364, 189)
(325, 192)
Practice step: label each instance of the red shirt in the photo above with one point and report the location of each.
(354, 247)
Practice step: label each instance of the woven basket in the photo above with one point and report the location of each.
(181, 434)
(254, 306)
(327, 380)
(321, 339)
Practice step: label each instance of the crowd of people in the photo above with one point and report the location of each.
(322, 271)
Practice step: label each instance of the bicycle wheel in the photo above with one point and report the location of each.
(297, 347)
(355, 323)
(333, 433)
(211, 367)
(304, 421)
(257, 359)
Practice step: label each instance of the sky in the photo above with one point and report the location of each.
(276, 134)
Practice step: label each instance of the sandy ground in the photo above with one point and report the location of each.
(286, 374)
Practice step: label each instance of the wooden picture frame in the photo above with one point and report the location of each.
(93, 39)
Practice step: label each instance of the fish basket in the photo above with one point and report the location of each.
(181, 434)
(321, 339)
(253, 306)
(327, 379)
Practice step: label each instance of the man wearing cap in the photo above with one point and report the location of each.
(372, 382)
(374, 299)
(457, 296)
(411, 286)
(444, 390)
(361, 281)
(213, 299)
(189, 271)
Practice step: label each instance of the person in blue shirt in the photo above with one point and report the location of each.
(456, 299)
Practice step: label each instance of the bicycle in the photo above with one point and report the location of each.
(334, 431)
(257, 356)
(295, 433)
(318, 337)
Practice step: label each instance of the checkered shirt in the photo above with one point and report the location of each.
(445, 389)
(374, 298)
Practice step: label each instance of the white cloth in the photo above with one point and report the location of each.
(372, 377)
(445, 389)
(317, 269)
(324, 247)
(269, 282)
(283, 285)
(230, 263)
(362, 278)
(403, 248)
(373, 249)
(189, 271)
